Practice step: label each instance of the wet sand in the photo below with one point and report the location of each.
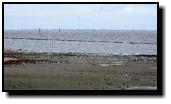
(42, 71)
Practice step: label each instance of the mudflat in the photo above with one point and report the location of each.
(43, 71)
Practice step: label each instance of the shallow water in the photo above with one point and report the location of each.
(142, 88)
(100, 42)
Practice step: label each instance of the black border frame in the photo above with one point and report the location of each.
(159, 90)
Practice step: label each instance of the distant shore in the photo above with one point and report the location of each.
(74, 71)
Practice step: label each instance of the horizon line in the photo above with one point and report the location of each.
(86, 29)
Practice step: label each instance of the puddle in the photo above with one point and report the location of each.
(104, 64)
(142, 88)
(7, 59)
(113, 64)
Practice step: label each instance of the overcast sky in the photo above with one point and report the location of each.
(81, 16)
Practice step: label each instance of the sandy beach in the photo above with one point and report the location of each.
(52, 71)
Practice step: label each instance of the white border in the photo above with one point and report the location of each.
(5, 99)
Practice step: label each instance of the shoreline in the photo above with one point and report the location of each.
(20, 51)
(22, 56)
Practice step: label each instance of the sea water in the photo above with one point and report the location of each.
(82, 41)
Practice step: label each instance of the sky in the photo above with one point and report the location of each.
(81, 16)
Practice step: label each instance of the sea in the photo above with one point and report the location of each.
(115, 42)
